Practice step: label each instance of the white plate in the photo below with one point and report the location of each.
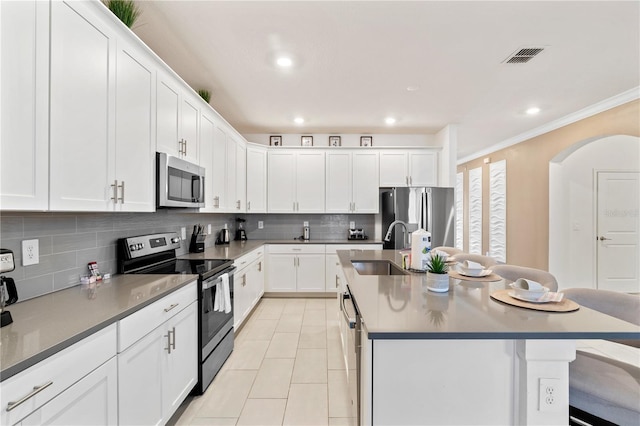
(481, 274)
(524, 299)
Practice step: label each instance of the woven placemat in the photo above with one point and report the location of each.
(565, 305)
(488, 278)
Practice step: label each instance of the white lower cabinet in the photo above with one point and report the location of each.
(293, 267)
(157, 372)
(248, 284)
(332, 263)
(76, 386)
(91, 401)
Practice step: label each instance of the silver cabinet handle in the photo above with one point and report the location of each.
(259, 266)
(180, 146)
(410, 180)
(248, 205)
(114, 187)
(603, 238)
(216, 201)
(406, 178)
(244, 280)
(239, 203)
(186, 143)
(36, 390)
(242, 263)
(171, 307)
(296, 249)
(122, 192)
(171, 343)
(336, 281)
(294, 206)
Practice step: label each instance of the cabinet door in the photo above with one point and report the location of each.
(310, 183)
(232, 177)
(91, 401)
(140, 382)
(134, 152)
(24, 90)
(331, 273)
(241, 177)
(365, 183)
(281, 272)
(423, 168)
(207, 129)
(189, 116)
(338, 183)
(281, 182)
(393, 169)
(167, 115)
(240, 297)
(180, 367)
(311, 270)
(219, 172)
(82, 109)
(256, 180)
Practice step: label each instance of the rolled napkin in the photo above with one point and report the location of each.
(468, 264)
(525, 284)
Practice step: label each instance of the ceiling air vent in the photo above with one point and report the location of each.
(522, 56)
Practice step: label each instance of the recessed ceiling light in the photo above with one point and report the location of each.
(284, 62)
(533, 110)
(390, 120)
(299, 120)
(413, 88)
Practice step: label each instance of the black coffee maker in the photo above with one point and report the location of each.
(8, 293)
(241, 234)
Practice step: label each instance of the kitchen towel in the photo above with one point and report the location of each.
(226, 293)
(218, 304)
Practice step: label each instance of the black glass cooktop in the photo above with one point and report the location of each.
(202, 267)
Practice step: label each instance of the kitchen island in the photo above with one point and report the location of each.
(461, 357)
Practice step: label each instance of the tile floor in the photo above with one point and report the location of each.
(286, 369)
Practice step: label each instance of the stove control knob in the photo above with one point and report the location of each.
(139, 247)
(175, 240)
(132, 247)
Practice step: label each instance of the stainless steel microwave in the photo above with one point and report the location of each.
(179, 182)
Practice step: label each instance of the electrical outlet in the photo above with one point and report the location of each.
(305, 223)
(260, 224)
(30, 252)
(352, 224)
(209, 229)
(183, 233)
(548, 397)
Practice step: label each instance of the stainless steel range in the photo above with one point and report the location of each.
(156, 254)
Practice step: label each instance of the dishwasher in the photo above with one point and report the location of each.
(353, 326)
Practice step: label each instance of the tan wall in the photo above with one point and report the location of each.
(528, 182)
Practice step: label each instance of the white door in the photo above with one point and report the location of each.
(618, 233)
(393, 169)
(365, 187)
(281, 182)
(91, 401)
(219, 173)
(240, 296)
(331, 272)
(311, 270)
(24, 90)
(134, 141)
(338, 183)
(310, 183)
(423, 169)
(281, 272)
(207, 129)
(189, 115)
(256, 180)
(180, 366)
(81, 114)
(167, 115)
(241, 177)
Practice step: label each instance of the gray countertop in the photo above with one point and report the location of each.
(400, 307)
(236, 249)
(47, 324)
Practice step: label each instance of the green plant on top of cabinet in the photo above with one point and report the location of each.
(296, 181)
(24, 85)
(101, 112)
(126, 10)
(415, 167)
(352, 182)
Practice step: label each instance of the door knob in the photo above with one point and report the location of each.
(604, 238)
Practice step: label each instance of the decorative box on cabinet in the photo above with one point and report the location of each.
(34, 392)
(157, 358)
(295, 268)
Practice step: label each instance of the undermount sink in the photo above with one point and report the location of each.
(377, 267)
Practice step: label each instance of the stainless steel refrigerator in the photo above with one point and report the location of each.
(432, 209)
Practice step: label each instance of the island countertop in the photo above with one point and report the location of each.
(400, 307)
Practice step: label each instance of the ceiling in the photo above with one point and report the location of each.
(354, 60)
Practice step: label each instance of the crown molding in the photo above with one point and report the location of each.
(604, 105)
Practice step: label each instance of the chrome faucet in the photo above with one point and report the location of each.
(405, 232)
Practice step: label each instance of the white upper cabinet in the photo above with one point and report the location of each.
(417, 167)
(190, 117)
(241, 176)
(24, 91)
(82, 109)
(207, 131)
(219, 175)
(296, 181)
(352, 182)
(256, 179)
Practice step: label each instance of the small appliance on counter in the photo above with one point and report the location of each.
(357, 234)
(197, 239)
(8, 292)
(241, 234)
(223, 236)
(306, 233)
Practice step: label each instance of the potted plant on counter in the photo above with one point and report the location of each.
(437, 274)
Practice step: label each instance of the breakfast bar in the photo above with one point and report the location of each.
(461, 357)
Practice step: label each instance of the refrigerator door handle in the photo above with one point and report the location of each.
(427, 211)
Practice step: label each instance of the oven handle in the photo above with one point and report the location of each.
(215, 280)
(351, 321)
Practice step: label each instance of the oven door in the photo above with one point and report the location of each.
(216, 316)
